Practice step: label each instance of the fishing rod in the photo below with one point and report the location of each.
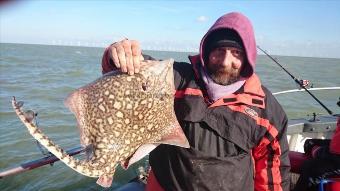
(310, 89)
(49, 159)
(140, 179)
(296, 81)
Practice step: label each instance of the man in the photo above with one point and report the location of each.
(236, 128)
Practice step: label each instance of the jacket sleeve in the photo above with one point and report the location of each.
(271, 159)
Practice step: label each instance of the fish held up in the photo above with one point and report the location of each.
(121, 118)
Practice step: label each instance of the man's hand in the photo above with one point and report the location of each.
(126, 55)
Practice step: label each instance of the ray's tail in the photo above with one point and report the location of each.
(82, 167)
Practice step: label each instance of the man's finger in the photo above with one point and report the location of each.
(136, 53)
(141, 57)
(128, 57)
(114, 57)
(135, 48)
(121, 57)
(136, 63)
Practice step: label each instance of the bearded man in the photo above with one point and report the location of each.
(235, 126)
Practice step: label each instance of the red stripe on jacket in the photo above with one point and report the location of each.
(335, 142)
(188, 91)
(262, 155)
(152, 184)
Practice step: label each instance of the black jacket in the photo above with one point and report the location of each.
(237, 143)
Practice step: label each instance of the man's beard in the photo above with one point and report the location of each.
(223, 76)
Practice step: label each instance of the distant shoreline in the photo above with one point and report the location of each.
(171, 51)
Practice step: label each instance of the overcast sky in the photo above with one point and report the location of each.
(295, 28)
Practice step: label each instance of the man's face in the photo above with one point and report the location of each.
(225, 65)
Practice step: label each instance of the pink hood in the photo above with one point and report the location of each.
(242, 25)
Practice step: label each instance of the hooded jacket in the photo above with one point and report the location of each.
(236, 143)
(244, 28)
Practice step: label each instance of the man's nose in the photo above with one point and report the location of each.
(227, 58)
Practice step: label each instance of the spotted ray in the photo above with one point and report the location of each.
(121, 118)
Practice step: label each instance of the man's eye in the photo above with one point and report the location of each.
(236, 52)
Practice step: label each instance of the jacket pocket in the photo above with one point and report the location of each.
(223, 174)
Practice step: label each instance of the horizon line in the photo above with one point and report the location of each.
(159, 50)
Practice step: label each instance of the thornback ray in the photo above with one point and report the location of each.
(119, 117)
